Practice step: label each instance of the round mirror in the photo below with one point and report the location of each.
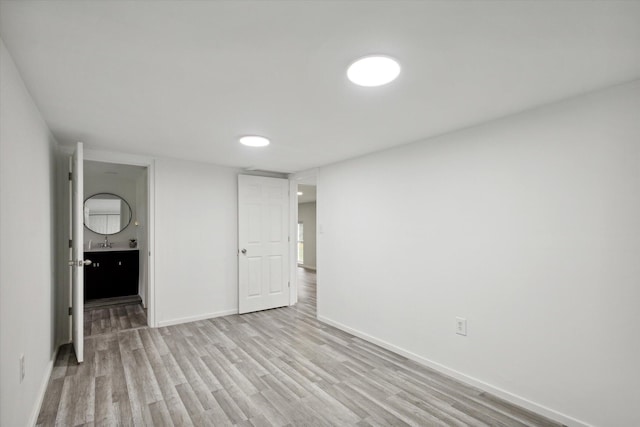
(106, 213)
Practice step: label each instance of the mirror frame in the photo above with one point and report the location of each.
(110, 194)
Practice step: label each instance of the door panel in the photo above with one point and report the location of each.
(77, 251)
(275, 224)
(276, 280)
(254, 266)
(254, 232)
(263, 215)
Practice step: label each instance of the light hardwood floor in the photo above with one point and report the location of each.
(278, 367)
(109, 319)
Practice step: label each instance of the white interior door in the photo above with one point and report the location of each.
(77, 252)
(263, 224)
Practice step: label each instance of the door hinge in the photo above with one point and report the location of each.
(288, 238)
(70, 311)
(70, 176)
(289, 284)
(70, 243)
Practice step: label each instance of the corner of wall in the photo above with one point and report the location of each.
(28, 284)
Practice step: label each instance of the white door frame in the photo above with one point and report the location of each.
(149, 163)
(293, 241)
(303, 177)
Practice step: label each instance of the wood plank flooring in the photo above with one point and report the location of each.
(278, 367)
(113, 301)
(105, 320)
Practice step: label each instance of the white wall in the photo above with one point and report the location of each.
(307, 216)
(196, 241)
(528, 226)
(27, 248)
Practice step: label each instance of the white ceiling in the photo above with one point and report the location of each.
(185, 79)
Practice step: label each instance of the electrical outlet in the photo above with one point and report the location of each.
(461, 326)
(22, 368)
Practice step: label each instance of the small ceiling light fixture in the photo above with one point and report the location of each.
(374, 70)
(254, 141)
(300, 193)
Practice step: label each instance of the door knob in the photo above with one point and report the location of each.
(80, 262)
(244, 251)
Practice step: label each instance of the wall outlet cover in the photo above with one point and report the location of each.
(461, 326)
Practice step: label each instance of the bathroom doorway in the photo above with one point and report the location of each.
(116, 241)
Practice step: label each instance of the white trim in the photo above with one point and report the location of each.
(33, 419)
(293, 241)
(307, 267)
(196, 318)
(497, 391)
(151, 242)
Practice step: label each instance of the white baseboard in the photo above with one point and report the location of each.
(307, 267)
(43, 389)
(510, 397)
(196, 318)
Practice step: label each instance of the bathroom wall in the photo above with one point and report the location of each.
(122, 180)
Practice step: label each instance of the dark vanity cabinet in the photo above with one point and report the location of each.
(111, 274)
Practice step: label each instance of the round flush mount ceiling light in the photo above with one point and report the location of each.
(374, 70)
(254, 141)
(300, 193)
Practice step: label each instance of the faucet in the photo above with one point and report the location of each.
(106, 243)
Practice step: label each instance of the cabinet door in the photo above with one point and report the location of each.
(90, 278)
(133, 267)
(96, 276)
(111, 274)
(126, 272)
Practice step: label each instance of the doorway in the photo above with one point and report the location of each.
(115, 240)
(306, 229)
(144, 204)
(306, 247)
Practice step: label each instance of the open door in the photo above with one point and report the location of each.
(77, 252)
(263, 224)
